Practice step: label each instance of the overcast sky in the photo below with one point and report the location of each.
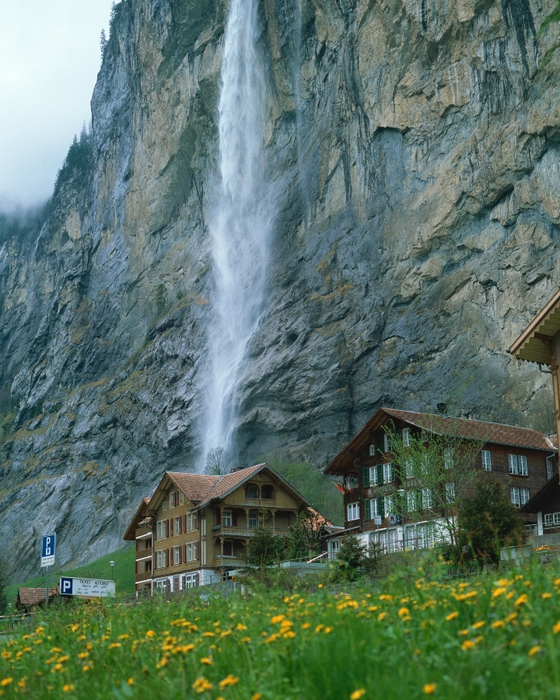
(49, 59)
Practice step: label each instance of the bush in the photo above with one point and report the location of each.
(264, 547)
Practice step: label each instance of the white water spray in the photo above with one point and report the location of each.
(241, 226)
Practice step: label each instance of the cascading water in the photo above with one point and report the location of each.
(241, 225)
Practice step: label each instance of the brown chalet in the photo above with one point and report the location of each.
(520, 458)
(194, 529)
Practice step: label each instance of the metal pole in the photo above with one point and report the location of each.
(47, 588)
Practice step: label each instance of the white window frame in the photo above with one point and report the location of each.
(448, 457)
(388, 504)
(164, 504)
(410, 501)
(524, 495)
(388, 472)
(181, 498)
(556, 518)
(486, 457)
(372, 450)
(548, 522)
(450, 492)
(386, 443)
(172, 500)
(177, 525)
(409, 468)
(176, 555)
(161, 559)
(161, 530)
(253, 518)
(523, 466)
(353, 511)
(427, 498)
(373, 507)
(227, 517)
(512, 464)
(406, 437)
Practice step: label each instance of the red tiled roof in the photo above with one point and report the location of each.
(442, 425)
(201, 488)
(34, 596)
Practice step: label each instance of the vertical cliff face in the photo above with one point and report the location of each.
(412, 149)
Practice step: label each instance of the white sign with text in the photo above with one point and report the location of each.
(87, 587)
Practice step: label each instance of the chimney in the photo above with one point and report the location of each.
(236, 469)
(442, 408)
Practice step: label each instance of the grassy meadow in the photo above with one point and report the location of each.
(416, 633)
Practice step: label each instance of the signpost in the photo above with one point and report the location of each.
(48, 551)
(87, 587)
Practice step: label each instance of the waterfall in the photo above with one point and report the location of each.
(241, 224)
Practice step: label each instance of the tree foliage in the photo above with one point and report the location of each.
(264, 547)
(217, 462)
(488, 521)
(78, 160)
(306, 535)
(354, 559)
(3, 597)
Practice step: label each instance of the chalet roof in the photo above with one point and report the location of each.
(532, 343)
(29, 597)
(537, 502)
(130, 534)
(461, 428)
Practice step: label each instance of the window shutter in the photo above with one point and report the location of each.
(196, 526)
(393, 472)
(367, 509)
(180, 555)
(381, 506)
(365, 477)
(218, 516)
(184, 523)
(197, 579)
(168, 527)
(180, 526)
(233, 518)
(379, 470)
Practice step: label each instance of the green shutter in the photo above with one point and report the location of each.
(380, 506)
(393, 473)
(367, 509)
(365, 477)
(379, 470)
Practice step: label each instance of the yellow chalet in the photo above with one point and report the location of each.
(194, 529)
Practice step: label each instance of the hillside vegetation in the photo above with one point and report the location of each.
(417, 633)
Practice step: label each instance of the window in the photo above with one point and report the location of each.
(252, 491)
(177, 525)
(164, 504)
(406, 437)
(486, 460)
(388, 503)
(192, 522)
(227, 548)
(176, 555)
(386, 443)
(161, 558)
(548, 520)
(410, 501)
(227, 520)
(353, 511)
(373, 507)
(409, 468)
(519, 496)
(172, 496)
(556, 518)
(375, 475)
(427, 500)
(181, 498)
(448, 457)
(161, 529)
(450, 492)
(253, 518)
(191, 551)
(424, 464)
(388, 473)
(423, 435)
(392, 542)
(517, 464)
(372, 450)
(267, 491)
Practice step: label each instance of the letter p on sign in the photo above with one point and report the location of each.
(65, 586)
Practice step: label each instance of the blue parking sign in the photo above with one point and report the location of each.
(48, 549)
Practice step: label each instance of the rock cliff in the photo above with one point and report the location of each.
(414, 150)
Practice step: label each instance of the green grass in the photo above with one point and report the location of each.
(416, 633)
(124, 573)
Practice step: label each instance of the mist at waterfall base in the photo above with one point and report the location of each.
(241, 226)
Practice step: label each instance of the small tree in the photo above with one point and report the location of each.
(488, 521)
(217, 463)
(437, 467)
(306, 535)
(264, 547)
(351, 559)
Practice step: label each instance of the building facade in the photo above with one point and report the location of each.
(388, 503)
(195, 528)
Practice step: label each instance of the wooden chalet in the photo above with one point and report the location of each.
(194, 529)
(520, 458)
(29, 598)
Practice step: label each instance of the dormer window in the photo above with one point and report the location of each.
(386, 443)
(406, 437)
(372, 450)
(252, 491)
(267, 491)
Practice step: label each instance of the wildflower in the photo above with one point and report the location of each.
(306, 626)
(430, 688)
(207, 660)
(258, 696)
(241, 627)
(467, 644)
(403, 612)
(526, 623)
(534, 650)
(452, 616)
(382, 616)
(67, 688)
(556, 628)
(6, 681)
(328, 630)
(498, 623)
(114, 645)
(318, 628)
(357, 694)
(201, 685)
(150, 633)
(478, 625)
(228, 680)
(130, 681)
(498, 591)
(246, 640)
(511, 617)
(385, 597)
(523, 598)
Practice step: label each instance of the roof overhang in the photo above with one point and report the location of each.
(533, 344)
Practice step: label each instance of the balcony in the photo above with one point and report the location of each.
(223, 560)
(259, 503)
(144, 553)
(226, 531)
(144, 576)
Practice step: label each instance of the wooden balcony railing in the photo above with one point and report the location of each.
(236, 531)
(144, 576)
(144, 553)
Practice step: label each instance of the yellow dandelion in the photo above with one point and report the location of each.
(452, 616)
(276, 619)
(544, 596)
(328, 630)
(306, 626)
(403, 612)
(258, 696)
(150, 633)
(318, 628)
(430, 688)
(382, 616)
(534, 650)
(357, 694)
(130, 681)
(467, 644)
(228, 680)
(498, 623)
(523, 598)
(208, 660)
(6, 681)
(67, 688)
(201, 685)
(479, 624)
